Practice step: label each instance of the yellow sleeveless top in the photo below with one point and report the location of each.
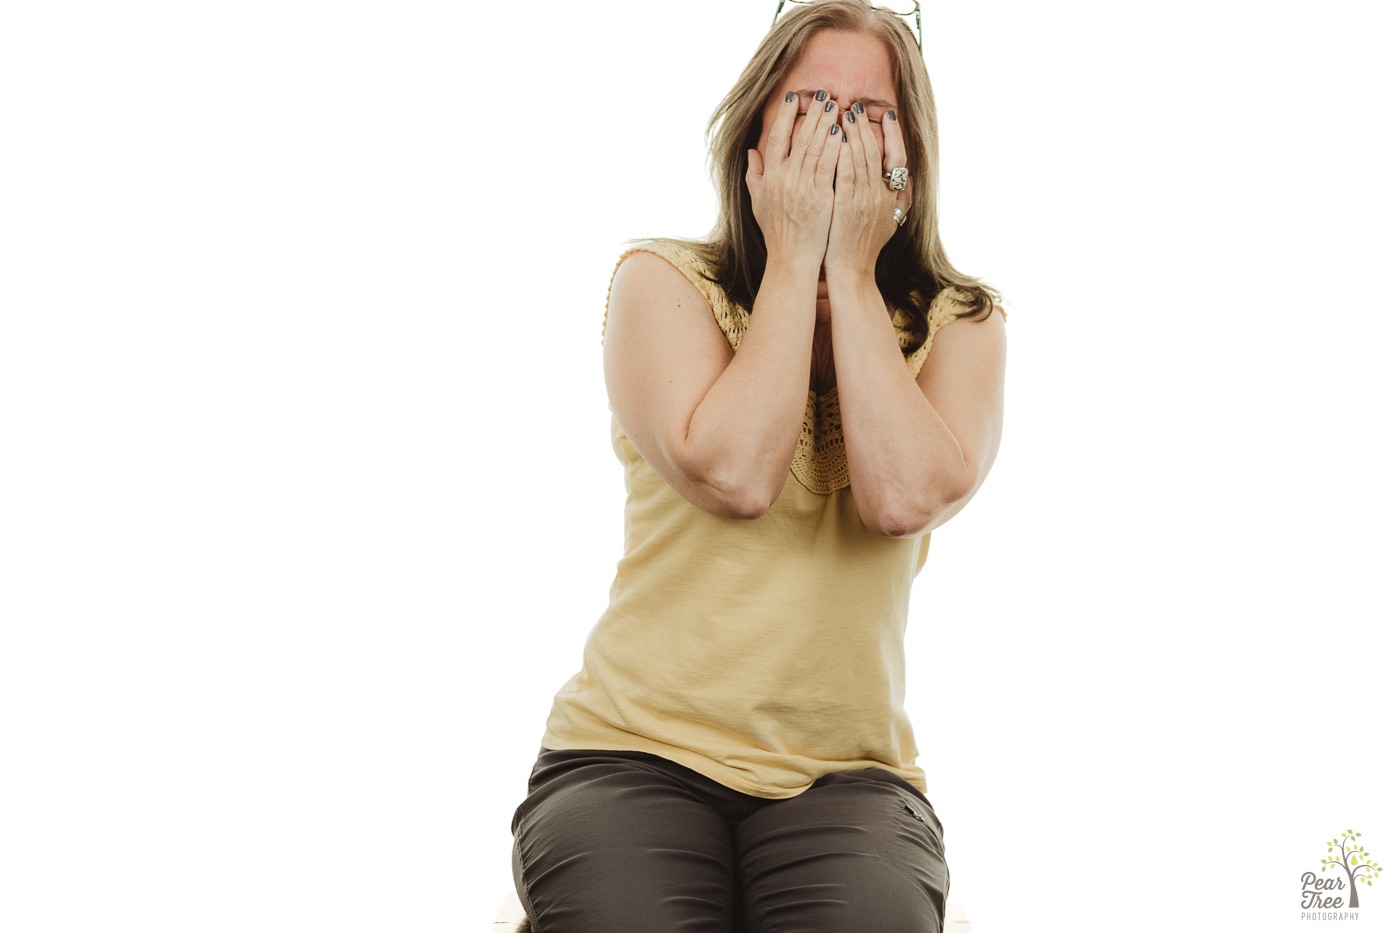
(762, 654)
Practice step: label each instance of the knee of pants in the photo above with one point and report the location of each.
(844, 855)
(622, 849)
(886, 903)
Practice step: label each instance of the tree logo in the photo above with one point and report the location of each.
(1349, 857)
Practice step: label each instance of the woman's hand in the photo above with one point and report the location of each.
(863, 215)
(791, 181)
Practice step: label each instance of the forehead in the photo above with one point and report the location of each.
(850, 64)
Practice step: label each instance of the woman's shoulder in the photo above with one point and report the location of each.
(951, 303)
(692, 259)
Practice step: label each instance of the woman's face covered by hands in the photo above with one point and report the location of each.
(852, 68)
(830, 133)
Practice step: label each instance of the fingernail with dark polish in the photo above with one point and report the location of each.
(821, 95)
(858, 107)
(843, 138)
(829, 105)
(889, 115)
(791, 96)
(850, 116)
(835, 129)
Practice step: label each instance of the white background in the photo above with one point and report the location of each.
(308, 503)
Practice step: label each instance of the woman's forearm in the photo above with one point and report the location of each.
(908, 470)
(740, 440)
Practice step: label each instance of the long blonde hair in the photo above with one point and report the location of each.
(913, 267)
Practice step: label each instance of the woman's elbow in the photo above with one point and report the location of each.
(738, 495)
(903, 520)
(746, 508)
(903, 514)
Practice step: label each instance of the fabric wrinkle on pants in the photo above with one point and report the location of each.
(617, 842)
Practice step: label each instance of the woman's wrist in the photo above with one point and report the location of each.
(850, 282)
(792, 267)
(794, 261)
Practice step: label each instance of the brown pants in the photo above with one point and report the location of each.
(625, 842)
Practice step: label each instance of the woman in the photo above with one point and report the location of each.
(797, 401)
